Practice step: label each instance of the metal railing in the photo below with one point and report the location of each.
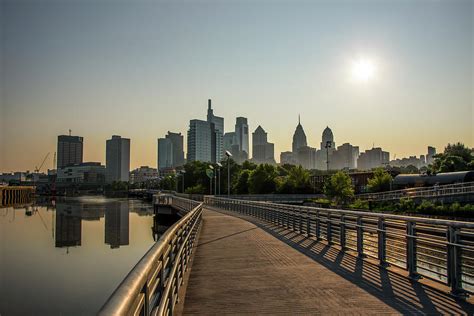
(437, 249)
(153, 285)
(430, 192)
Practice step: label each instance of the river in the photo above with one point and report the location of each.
(66, 257)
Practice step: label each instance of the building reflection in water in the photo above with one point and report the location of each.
(68, 225)
(117, 224)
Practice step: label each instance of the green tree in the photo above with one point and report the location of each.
(197, 189)
(380, 181)
(263, 179)
(297, 180)
(241, 185)
(339, 188)
(168, 183)
(456, 157)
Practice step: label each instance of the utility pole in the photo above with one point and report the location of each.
(328, 145)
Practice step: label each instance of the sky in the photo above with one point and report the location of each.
(141, 68)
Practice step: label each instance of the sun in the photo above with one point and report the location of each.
(363, 70)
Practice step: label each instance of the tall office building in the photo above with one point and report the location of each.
(170, 151)
(117, 159)
(242, 138)
(345, 157)
(262, 150)
(431, 153)
(373, 158)
(327, 138)
(229, 141)
(70, 150)
(218, 145)
(178, 148)
(299, 138)
(165, 153)
(200, 136)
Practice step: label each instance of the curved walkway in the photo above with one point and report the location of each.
(244, 267)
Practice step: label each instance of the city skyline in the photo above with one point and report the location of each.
(152, 74)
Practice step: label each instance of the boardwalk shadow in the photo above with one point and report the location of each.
(401, 293)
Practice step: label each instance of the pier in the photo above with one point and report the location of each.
(238, 256)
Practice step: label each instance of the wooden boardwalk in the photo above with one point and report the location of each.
(242, 266)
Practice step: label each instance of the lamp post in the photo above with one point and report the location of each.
(228, 154)
(210, 180)
(182, 175)
(219, 165)
(328, 145)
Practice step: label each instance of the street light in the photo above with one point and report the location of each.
(182, 174)
(210, 180)
(219, 165)
(328, 145)
(228, 154)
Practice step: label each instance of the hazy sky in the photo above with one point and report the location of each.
(141, 68)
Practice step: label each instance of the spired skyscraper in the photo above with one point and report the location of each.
(117, 159)
(205, 138)
(218, 142)
(299, 138)
(70, 150)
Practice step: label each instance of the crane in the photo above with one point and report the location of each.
(37, 169)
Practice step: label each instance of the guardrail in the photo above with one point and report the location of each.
(153, 285)
(430, 192)
(437, 249)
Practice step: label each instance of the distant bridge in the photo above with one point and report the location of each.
(238, 256)
(462, 192)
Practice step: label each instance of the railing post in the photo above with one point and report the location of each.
(360, 237)
(300, 220)
(454, 262)
(318, 226)
(411, 250)
(342, 231)
(382, 242)
(329, 228)
(308, 224)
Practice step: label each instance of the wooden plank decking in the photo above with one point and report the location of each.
(243, 267)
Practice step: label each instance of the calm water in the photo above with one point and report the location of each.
(67, 257)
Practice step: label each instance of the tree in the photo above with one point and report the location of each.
(241, 185)
(297, 180)
(380, 181)
(456, 157)
(168, 183)
(262, 180)
(339, 188)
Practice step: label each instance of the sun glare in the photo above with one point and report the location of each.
(363, 70)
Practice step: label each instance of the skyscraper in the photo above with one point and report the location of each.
(218, 145)
(327, 138)
(165, 153)
(262, 150)
(170, 151)
(70, 150)
(345, 157)
(299, 138)
(431, 153)
(200, 135)
(117, 159)
(242, 137)
(373, 158)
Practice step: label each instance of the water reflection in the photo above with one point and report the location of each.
(116, 224)
(71, 248)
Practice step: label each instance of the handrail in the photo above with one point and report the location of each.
(435, 191)
(152, 285)
(441, 250)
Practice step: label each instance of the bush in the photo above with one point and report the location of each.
(360, 204)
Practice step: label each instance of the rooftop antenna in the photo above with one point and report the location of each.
(70, 132)
(299, 119)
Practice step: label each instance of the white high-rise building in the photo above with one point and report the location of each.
(200, 136)
(117, 159)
